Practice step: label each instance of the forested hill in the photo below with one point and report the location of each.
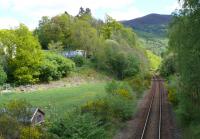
(154, 24)
(152, 31)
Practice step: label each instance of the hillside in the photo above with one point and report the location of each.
(152, 31)
(154, 24)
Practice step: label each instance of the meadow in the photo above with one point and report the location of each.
(57, 102)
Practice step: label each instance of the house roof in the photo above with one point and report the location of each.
(28, 118)
(34, 111)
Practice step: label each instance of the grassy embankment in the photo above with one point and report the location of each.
(58, 101)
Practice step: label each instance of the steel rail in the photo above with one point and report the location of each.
(150, 108)
(160, 103)
(148, 114)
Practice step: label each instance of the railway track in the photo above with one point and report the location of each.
(154, 119)
(152, 128)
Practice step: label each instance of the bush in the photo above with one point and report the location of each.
(9, 121)
(78, 126)
(138, 83)
(55, 67)
(123, 65)
(23, 55)
(191, 132)
(172, 88)
(168, 66)
(27, 132)
(14, 124)
(172, 96)
(154, 61)
(120, 109)
(117, 106)
(79, 60)
(98, 108)
(64, 65)
(119, 88)
(48, 71)
(118, 60)
(3, 76)
(1, 137)
(120, 100)
(24, 75)
(9, 127)
(36, 132)
(19, 109)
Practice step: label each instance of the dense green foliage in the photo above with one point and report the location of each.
(159, 30)
(116, 107)
(168, 66)
(23, 55)
(108, 44)
(140, 83)
(78, 126)
(154, 60)
(13, 122)
(158, 45)
(110, 47)
(185, 44)
(172, 88)
(54, 67)
(96, 119)
(3, 76)
(79, 60)
(55, 46)
(59, 25)
(118, 103)
(84, 36)
(24, 61)
(117, 60)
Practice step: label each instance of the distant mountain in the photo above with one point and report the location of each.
(152, 31)
(152, 24)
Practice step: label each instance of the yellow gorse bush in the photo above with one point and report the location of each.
(27, 132)
(94, 105)
(123, 93)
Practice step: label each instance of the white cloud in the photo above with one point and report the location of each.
(129, 13)
(7, 23)
(4, 4)
(30, 11)
(174, 6)
(59, 5)
(54, 3)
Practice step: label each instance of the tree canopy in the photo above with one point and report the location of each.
(84, 32)
(185, 45)
(23, 54)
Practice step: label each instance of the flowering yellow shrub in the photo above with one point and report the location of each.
(30, 132)
(172, 96)
(123, 93)
(1, 137)
(95, 106)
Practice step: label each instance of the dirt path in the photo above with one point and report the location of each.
(134, 127)
(70, 81)
(65, 82)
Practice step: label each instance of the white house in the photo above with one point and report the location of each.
(71, 54)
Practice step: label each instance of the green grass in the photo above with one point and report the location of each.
(56, 102)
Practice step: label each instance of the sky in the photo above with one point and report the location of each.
(29, 12)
